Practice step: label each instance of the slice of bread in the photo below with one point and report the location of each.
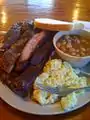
(51, 24)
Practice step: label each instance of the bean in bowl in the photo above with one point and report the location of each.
(74, 45)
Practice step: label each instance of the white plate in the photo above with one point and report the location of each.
(33, 108)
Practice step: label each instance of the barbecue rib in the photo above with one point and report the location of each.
(22, 84)
(24, 57)
(9, 57)
(14, 33)
(11, 36)
(22, 63)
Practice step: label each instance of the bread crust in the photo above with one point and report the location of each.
(52, 26)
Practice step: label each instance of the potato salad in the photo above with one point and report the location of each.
(58, 73)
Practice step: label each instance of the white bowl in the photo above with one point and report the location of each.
(73, 60)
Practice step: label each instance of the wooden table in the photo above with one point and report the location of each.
(12, 11)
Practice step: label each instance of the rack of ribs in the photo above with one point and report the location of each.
(22, 84)
(10, 56)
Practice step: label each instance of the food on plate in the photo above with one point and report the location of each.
(11, 36)
(69, 101)
(74, 45)
(31, 45)
(58, 73)
(24, 55)
(43, 97)
(22, 84)
(52, 25)
(15, 33)
(10, 56)
(28, 52)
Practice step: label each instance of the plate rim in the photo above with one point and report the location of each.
(38, 113)
(35, 113)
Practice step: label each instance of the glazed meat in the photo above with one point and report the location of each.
(22, 84)
(31, 45)
(9, 57)
(11, 36)
(15, 32)
(24, 56)
(38, 40)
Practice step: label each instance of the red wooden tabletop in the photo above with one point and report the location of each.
(12, 11)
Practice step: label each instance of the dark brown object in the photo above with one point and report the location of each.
(22, 65)
(22, 84)
(12, 36)
(9, 58)
(31, 46)
(3, 76)
(15, 33)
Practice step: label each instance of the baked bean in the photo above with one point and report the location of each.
(83, 49)
(69, 45)
(74, 45)
(82, 54)
(77, 50)
(77, 41)
(72, 50)
(63, 48)
(84, 41)
(73, 53)
(64, 42)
